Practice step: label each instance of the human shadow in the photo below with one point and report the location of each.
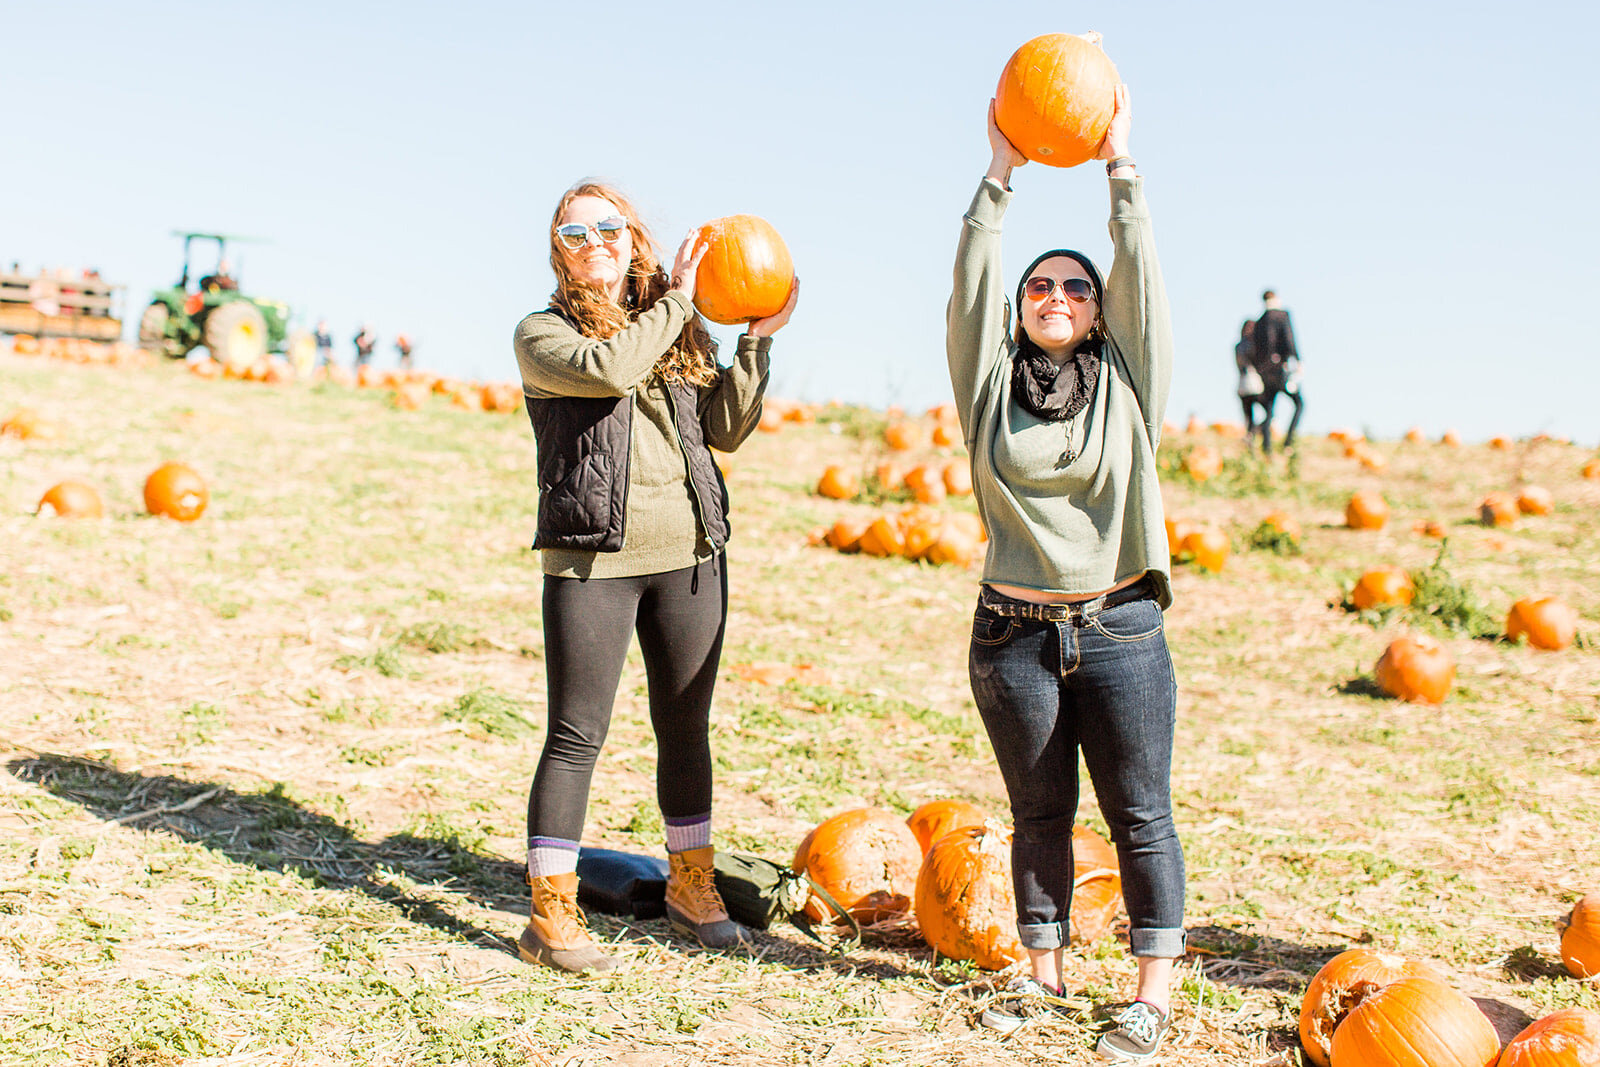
(270, 831)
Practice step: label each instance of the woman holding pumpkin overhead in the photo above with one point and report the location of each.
(1062, 418)
(627, 398)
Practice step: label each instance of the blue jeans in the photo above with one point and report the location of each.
(1049, 681)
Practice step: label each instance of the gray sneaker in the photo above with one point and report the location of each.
(1137, 1035)
(1025, 999)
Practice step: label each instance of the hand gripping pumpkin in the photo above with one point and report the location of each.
(1566, 1038)
(177, 492)
(867, 859)
(1340, 985)
(1415, 1022)
(966, 905)
(746, 273)
(1056, 97)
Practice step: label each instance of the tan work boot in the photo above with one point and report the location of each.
(557, 935)
(694, 907)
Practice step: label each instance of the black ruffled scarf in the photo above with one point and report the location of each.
(1054, 393)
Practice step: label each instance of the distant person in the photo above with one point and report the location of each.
(222, 281)
(1062, 414)
(402, 346)
(1244, 355)
(1278, 362)
(365, 342)
(324, 339)
(627, 400)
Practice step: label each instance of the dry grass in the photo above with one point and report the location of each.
(267, 773)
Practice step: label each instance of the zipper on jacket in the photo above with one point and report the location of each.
(688, 471)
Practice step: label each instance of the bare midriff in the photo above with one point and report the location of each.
(1039, 596)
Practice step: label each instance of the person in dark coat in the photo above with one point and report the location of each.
(1278, 362)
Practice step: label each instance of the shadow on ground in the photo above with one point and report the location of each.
(270, 831)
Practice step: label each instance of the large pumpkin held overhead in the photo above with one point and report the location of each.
(746, 273)
(1055, 98)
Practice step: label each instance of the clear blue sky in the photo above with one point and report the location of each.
(1417, 180)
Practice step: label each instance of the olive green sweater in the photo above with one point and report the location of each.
(1055, 526)
(661, 531)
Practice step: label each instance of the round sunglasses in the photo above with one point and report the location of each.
(575, 234)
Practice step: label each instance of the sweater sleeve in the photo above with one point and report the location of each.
(557, 360)
(976, 318)
(730, 409)
(1136, 309)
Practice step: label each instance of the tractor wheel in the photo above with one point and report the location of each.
(236, 334)
(153, 331)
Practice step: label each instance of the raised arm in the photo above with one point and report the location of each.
(1136, 310)
(976, 319)
(731, 409)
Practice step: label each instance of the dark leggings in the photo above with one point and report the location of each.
(680, 617)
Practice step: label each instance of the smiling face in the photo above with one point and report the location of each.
(1056, 324)
(596, 263)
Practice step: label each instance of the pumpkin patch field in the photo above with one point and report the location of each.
(265, 770)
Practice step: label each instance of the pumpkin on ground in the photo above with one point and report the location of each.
(1415, 1022)
(903, 435)
(1366, 510)
(1208, 546)
(845, 534)
(1340, 985)
(1566, 1038)
(838, 484)
(883, 537)
(1450, 439)
(1202, 462)
(175, 491)
(1591, 469)
(965, 903)
(1535, 500)
(28, 424)
(1279, 521)
(1416, 668)
(1383, 587)
(1056, 97)
(746, 273)
(1177, 530)
(1580, 938)
(926, 484)
(946, 434)
(867, 859)
(71, 500)
(936, 818)
(957, 476)
(890, 474)
(1498, 509)
(1415, 436)
(1548, 622)
(1096, 885)
(1500, 443)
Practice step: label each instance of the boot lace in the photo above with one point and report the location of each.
(700, 888)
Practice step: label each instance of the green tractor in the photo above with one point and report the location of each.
(238, 329)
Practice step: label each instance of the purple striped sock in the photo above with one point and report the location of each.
(549, 856)
(693, 831)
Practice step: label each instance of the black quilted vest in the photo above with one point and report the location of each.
(584, 453)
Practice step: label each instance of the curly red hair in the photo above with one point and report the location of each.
(692, 359)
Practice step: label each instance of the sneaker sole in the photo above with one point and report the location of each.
(998, 1021)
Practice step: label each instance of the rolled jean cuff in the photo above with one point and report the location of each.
(1042, 935)
(1162, 943)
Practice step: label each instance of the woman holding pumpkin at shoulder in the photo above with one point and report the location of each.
(627, 399)
(1062, 419)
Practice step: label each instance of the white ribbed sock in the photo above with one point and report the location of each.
(548, 856)
(686, 833)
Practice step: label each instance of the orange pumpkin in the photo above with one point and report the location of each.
(1450, 439)
(955, 544)
(958, 477)
(1498, 509)
(838, 483)
(410, 396)
(845, 535)
(1096, 885)
(1416, 668)
(71, 500)
(500, 397)
(1566, 1038)
(920, 535)
(1415, 436)
(1415, 1022)
(1366, 510)
(1500, 444)
(1055, 99)
(1535, 500)
(1177, 530)
(882, 537)
(1281, 522)
(1580, 938)
(1383, 587)
(903, 435)
(965, 904)
(771, 422)
(867, 859)
(926, 485)
(1194, 425)
(804, 414)
(206, 368)
(1202, 462)
(175, 491)
(1591, 469)
(28, 424)
(1430, 528)
(969, 524)
(944, 413)
(938, 817)
(1209, 547)
(746, 273)
(1548, 622)
(946, 434)
(890, 475)
(1340, 985)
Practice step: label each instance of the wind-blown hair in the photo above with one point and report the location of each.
(692, 359)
